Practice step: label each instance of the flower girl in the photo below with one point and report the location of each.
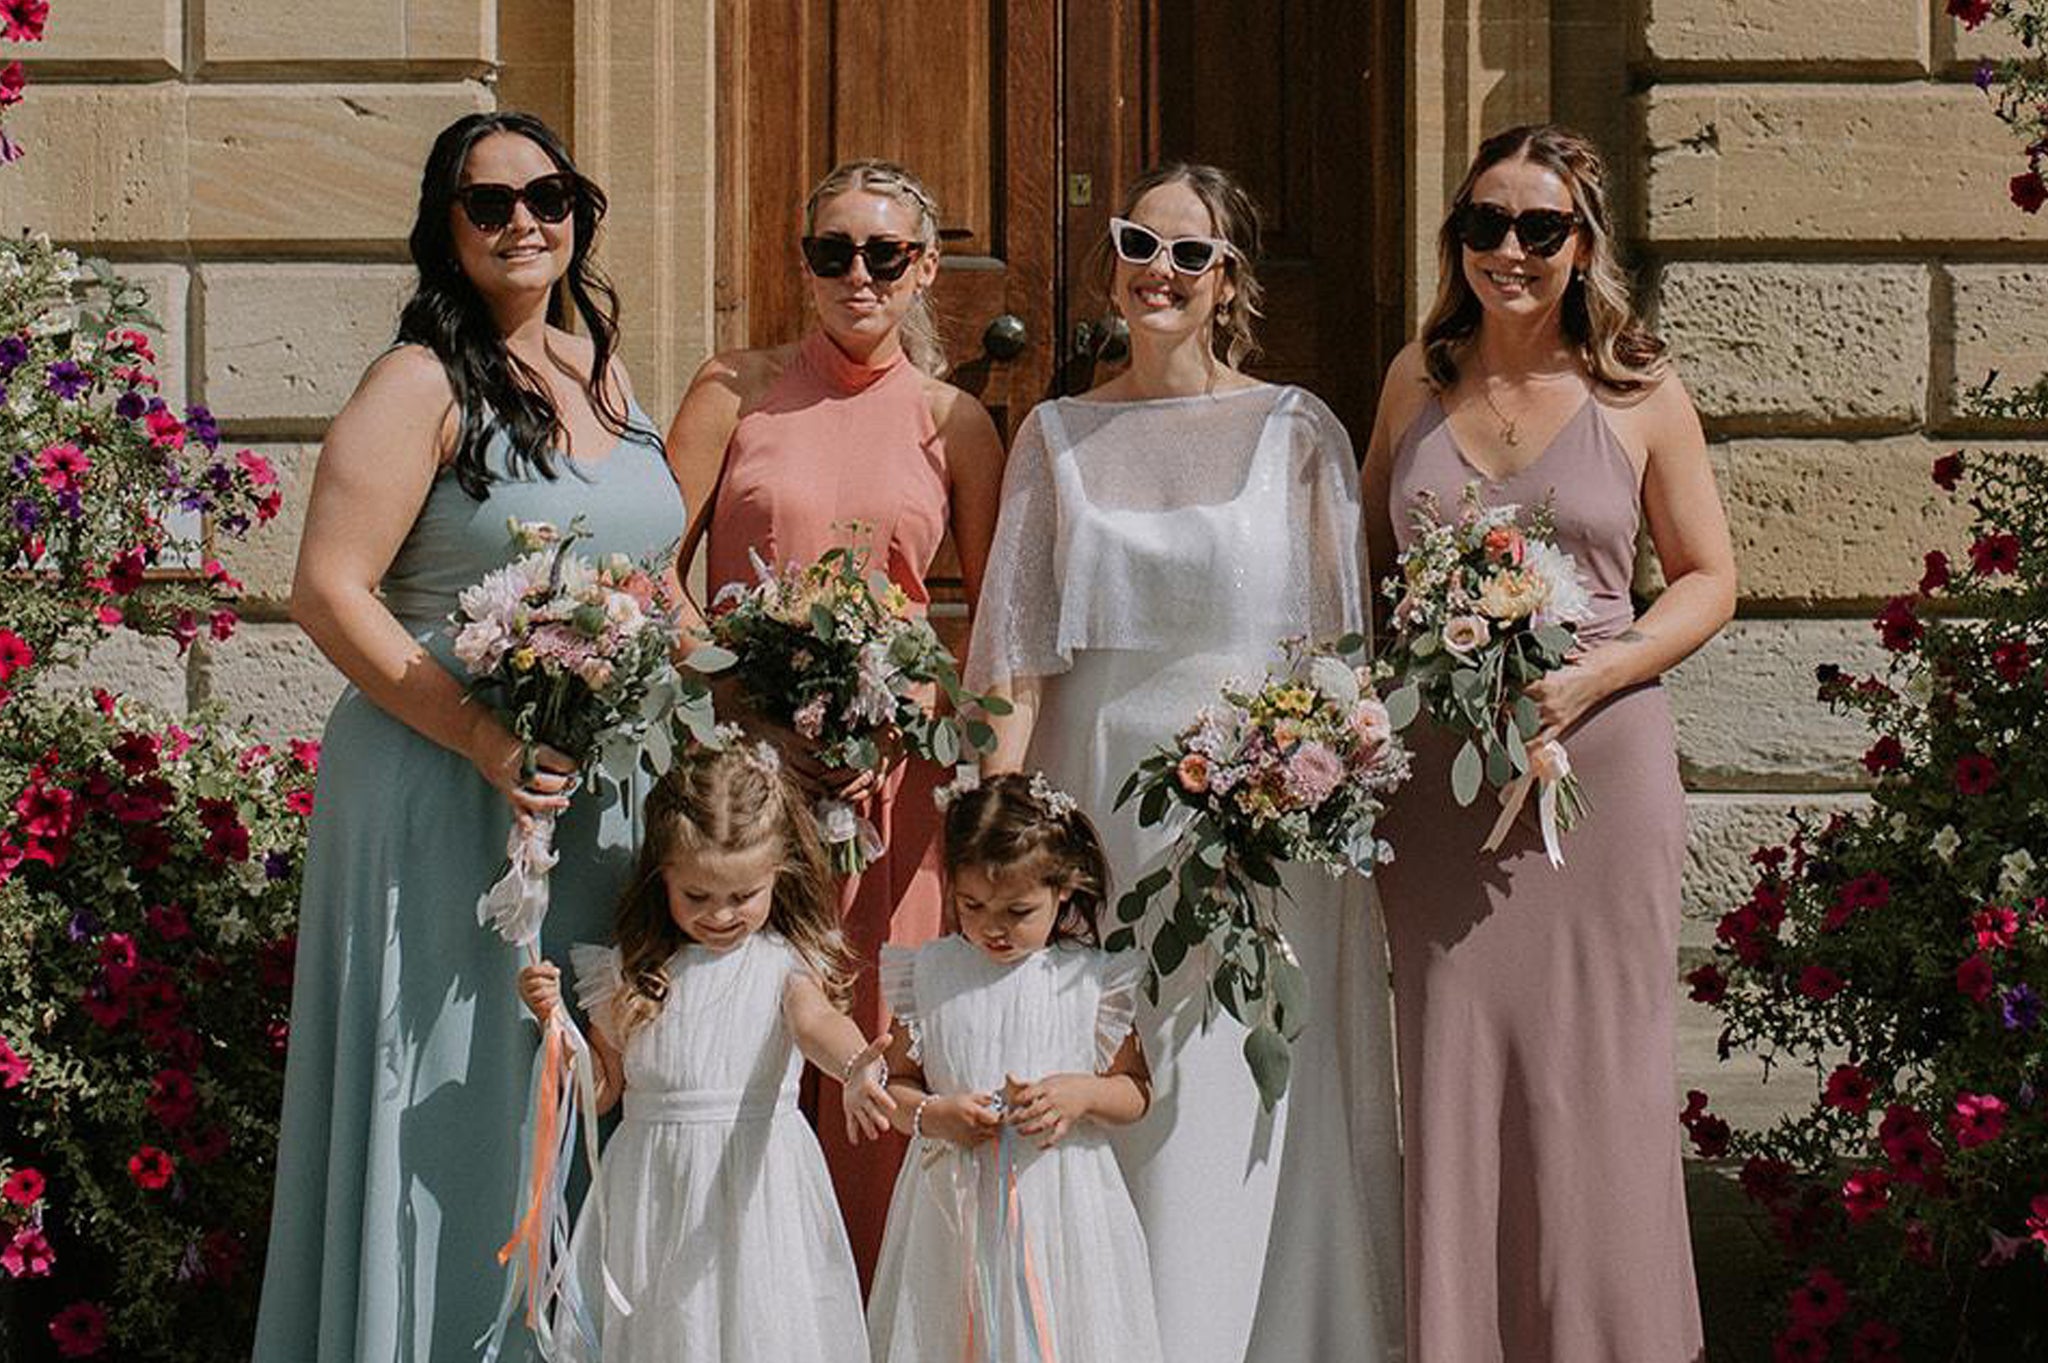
(1011, 1235)
(718, 1228)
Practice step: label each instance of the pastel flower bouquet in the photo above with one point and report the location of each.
(844, 661)
(577, 654)
(1294, 769)
(1486, 604)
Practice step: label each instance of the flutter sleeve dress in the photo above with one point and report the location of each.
(947, 1286)
(719, 1227)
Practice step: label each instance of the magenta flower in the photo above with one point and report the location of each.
(28, 1254)
(151, 1168)
(1848, 1088)
(1875, 1341)
(1979, 1119)
(1898, 626)
(1948, 471)
(1819, 983)
(2037, 1224)
(1820, 1301)
(1865, 1193)
(2011, 660)
(11, 82)
(1975, 774)
(1996, 554)
(1974, 979)
(24, 1187)
(1800, 1344)
(13, 1066)
(63, 466)
(80, 1329)
(1937, 572)
(21, 21)
(1708, 984)
(2029, 191)
(1970, 12)
(1885, 755)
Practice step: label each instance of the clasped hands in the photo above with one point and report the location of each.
(1046, 1108)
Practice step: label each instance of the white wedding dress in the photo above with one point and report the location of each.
(1146, 552)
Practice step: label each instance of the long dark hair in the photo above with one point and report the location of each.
(446, 314)
(1016, 821)
(1599, 319)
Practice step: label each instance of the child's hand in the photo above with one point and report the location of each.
(962, 1118)
(540, 988)
(1048, 1107)
(864, 1095)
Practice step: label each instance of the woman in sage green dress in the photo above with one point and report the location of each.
(406, 1086)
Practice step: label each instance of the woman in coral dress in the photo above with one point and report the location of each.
(848, 438)
(1534, 1004)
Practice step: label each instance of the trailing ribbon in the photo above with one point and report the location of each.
(998, 1268)
(515, 906)
(1549, 766)
(852, 840)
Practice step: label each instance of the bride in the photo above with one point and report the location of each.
(1159, 535)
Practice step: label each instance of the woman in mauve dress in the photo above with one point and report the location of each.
(1535, 1005)
(850, 437)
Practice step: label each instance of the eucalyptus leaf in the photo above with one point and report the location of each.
(1169, 949)
(1466, 770)
(1404, 705)
(1290, 997)
(1527, 718)
(1500, 767)
(1267, 1052)
(1152, 808)
(710, 658)
(945, 744)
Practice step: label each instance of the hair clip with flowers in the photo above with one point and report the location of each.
(1056, 803)
(966, 777)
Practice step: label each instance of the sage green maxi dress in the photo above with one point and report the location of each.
(406, 1085)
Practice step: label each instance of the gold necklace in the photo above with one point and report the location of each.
(1507, 427)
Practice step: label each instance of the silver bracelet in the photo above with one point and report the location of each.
(917, 1116)
(846, 1070)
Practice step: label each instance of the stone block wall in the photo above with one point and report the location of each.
(255, 163)
(1816, 200)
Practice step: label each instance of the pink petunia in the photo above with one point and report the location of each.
(28, 1254)
(24, 1187)
(12, 81)
(151, 1168)
(1875, 1341)
(1820, 1301)
(2028, 190)
(14, 1067)
(1975, 774)
(1997, 927)
(1978, 1119)
(1819, 983)
(1996, 554)
(1948, 471)
(63, 466)
(1865, 1193)
(21, 21)
(2037, 1223)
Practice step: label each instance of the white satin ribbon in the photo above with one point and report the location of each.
(1548, 765)
(515, 906)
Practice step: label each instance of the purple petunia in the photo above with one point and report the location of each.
(24, 467)
(276, 866)
(129, 406)
(71, 503)
(67, 380)
(83, 927)
(200, 425)
(27, 515)
(2020, 1009)
(13, 350)
(1986, 74)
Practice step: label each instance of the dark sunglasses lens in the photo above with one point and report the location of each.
(828, 257)
(1543, 233)
(1136, 245)
(1193, 257)
(1482, 226)
(551, 199)
(489, 206)
(886, 260)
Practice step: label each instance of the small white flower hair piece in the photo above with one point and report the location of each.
(1056, 803)
(966, 777)
(764, 757)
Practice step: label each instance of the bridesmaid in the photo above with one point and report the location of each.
(1535, 1007)
(406, 1086)
(1160, 535)
(786, 449)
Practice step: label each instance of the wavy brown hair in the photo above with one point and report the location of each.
(1003, 827)
(920, 326)
(1237, 220)
(1599, 319)
(727, 803)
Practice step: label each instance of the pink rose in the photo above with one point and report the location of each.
(1465, 633)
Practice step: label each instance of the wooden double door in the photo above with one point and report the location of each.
(1027, 119)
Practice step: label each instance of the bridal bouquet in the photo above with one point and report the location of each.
(578, 654)
(1294, 769)
(1485, 604)
(845, 662)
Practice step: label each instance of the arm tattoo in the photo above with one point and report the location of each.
(1632, 636)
